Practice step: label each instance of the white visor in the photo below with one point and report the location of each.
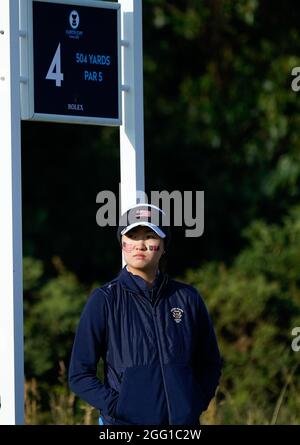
(153, 227)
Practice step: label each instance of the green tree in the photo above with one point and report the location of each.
(255, 303)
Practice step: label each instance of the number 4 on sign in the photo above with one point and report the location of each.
(54, 72)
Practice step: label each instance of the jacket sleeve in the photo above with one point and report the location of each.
(208, 361)
(89, 346)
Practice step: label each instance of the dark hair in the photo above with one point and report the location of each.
(163, 262)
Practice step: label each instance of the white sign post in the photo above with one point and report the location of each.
(132, 128)
(11, 301)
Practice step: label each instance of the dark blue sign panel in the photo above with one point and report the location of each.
(76, 57)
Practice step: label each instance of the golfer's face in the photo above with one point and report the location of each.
(142, 248)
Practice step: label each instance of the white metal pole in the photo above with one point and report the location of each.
(11, 298)
(132, 128)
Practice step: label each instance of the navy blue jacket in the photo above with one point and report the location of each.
(161, 360)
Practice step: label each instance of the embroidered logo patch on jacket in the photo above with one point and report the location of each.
(177, 314)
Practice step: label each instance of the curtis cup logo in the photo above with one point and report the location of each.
(177, 314)
(74, 19)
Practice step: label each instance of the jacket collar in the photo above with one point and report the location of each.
(136, 283)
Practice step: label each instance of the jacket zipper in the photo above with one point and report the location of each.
(158, 343)
(161, 363)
